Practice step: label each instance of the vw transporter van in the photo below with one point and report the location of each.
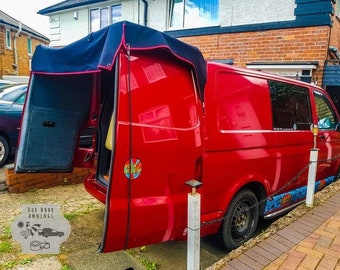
(163, 115)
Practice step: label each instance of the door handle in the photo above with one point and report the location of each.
(322, 137)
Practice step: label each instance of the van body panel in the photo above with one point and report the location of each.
(164, 116)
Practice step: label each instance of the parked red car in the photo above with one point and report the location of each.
(165, 116)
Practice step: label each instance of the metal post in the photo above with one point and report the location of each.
(313, 158)
(313, 161)
(194, 219)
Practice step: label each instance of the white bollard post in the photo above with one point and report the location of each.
(313, 158)
(194, 220)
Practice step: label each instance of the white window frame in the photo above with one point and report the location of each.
(290, 71)
(181, 18)
(95, 26)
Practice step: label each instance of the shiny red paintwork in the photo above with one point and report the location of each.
(161, 122)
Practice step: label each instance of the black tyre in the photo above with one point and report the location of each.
(241, 220)
(4, 150)
(337, 176)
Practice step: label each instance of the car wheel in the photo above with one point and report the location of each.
(241, 220)
(4, 150)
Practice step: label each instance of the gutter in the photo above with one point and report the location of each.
(17, 34)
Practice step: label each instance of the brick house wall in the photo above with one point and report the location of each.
(335, 33)
(279, 31)
(8, 56)
(282, 45)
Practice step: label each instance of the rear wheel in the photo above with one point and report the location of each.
(4, 150)
(241, 220)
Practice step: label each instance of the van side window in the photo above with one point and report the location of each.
(290, 106)
(326, 115)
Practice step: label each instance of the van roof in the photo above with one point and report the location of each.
(213, 66)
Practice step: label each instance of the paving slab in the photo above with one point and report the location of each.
(318, 247)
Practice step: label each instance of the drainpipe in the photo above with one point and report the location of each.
(145, 12)
(16, 50)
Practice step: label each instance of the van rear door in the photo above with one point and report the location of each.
(59, 119)
(156, 144)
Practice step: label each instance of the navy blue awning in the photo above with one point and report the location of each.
(98, 50)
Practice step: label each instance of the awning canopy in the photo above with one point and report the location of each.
(98, 50)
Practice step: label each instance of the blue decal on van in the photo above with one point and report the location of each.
(285, 199)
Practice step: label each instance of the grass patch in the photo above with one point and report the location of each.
(5, 247)
(149, 265)
(71, 216)
(12, 264)
(81, 211)
(6, 234)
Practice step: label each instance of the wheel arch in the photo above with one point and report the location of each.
(260, 192)
(4, 135)
(256, 186)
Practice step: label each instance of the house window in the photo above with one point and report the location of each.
(8, 39)
(116, 13)
(29, 46)
(104, 17)
(100, 17)
(95, 19)
(193, 13)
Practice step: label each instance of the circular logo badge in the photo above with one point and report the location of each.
(133, 168)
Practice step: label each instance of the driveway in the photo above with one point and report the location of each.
(86, 215)
(79, 251)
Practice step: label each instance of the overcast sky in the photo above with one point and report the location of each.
(26, 12)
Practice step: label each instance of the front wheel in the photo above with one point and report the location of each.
(4, 150)
(241, 220)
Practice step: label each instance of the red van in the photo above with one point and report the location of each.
(163, 116)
